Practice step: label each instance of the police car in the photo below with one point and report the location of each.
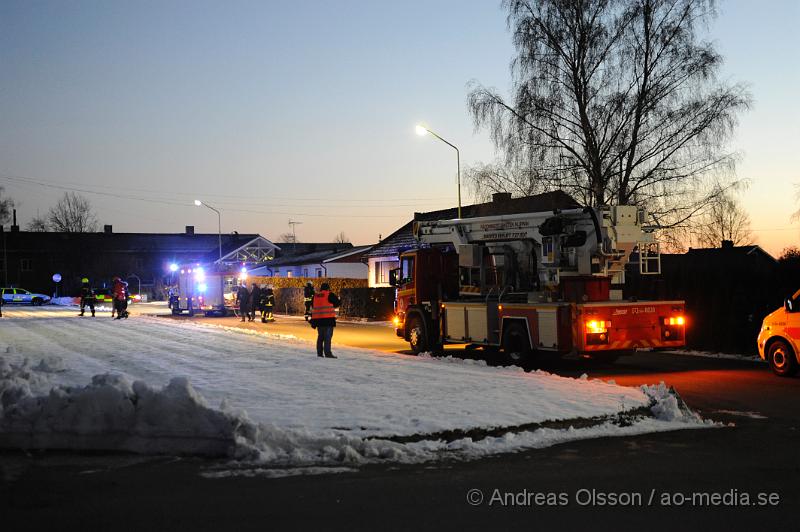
(18, 295)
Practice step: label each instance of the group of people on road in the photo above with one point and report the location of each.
(256, 300)
(119, 298)
(320, 310)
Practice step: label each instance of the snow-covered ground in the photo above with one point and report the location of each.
(158, 385)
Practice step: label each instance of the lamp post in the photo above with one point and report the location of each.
(424, 130)
(199, 203)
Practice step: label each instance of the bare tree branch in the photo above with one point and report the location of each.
(613, 101)
(72, 214)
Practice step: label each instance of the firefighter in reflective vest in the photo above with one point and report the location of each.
(269, 304)
(87, 296)
(323, 318)
(120, 295)
(308, 298)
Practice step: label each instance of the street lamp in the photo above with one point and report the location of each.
(199, 203)
(424, 130)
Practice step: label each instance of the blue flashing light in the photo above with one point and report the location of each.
(202, 287)
(173, 267)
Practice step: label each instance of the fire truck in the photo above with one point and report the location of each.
(533, 285)
(206, 289)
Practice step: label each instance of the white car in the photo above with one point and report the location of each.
(18, 295)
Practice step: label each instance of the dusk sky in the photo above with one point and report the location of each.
(305, 110)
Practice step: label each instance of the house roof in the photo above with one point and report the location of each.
(309, 257)
(726, 252)
(351, 255)
(403, 238)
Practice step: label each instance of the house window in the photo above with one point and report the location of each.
(278, 272)
(319, 272)
(289, 273)
(548, 250)
(138, 264)
(305, 272)
(25, 265)
(382, 270)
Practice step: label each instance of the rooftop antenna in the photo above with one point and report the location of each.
(294, 236)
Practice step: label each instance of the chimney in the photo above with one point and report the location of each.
(499, 197)
(107, 229)
(189, 229)
(727, 244)
(14, 226)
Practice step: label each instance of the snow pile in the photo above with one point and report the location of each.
(667, 404)
(65, 301)
(281, 406)
(112, 413)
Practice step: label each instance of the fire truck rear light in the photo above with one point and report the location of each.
(680, 320)
(597, 326)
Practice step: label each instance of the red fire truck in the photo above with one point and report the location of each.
(534, 284)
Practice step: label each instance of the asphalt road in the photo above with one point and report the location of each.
(705, 474)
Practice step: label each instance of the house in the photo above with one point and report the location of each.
(31, 259)
(341, 260)
(386, 254)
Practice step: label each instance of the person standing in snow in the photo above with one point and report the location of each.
(87, 296)
(308, 298)
(242, 298)
(269, 304)
(323, 318)
(262, 301)
(120, 298)
(255, 297)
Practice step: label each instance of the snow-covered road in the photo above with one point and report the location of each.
(280, 382)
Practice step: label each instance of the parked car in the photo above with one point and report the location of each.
(18, 295)
(779, 339)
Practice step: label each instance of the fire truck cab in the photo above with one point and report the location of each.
(533, 284)
(779, 339)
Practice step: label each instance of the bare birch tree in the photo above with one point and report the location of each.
(38, 224)
(615, 102)
(6, 206)
(72, 214)
(341, 238)
(723, 219)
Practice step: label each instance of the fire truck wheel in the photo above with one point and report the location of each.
(782, 359)
(416, 335)
(516, 347)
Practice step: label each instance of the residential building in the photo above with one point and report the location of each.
(31, 259)
(340, 260)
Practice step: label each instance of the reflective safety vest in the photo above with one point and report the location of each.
(322, 308)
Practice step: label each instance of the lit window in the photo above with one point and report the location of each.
(26, 265)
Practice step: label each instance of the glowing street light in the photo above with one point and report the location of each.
(199, 203)
(424, 130)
